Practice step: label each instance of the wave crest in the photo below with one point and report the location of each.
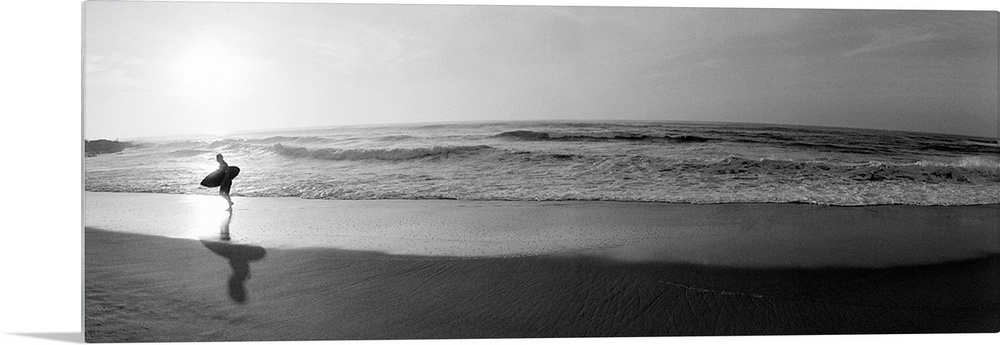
(189, 152)
(387, 154)
(600, 136)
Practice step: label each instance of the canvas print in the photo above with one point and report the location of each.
(289, 171)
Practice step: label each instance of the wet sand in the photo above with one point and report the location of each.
(751, 235)
(651, 281)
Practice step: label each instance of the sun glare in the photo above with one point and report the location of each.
(212, 71)
(208, 216)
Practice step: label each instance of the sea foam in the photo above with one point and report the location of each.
(388, 154)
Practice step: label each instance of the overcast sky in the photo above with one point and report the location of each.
(182, 68)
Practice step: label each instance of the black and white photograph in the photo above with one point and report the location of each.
(282, 171)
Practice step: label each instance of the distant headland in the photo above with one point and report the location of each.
(96, 147)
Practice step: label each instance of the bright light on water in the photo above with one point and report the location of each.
(208, 216)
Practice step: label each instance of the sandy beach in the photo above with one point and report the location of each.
(157, 269)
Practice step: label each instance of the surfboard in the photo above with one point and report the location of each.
(215, 178)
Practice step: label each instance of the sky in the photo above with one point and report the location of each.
(154, 69)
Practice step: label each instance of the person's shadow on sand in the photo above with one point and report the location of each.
(239, 256)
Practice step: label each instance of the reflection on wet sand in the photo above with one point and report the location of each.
(239, 256)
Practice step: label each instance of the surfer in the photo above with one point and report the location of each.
(222, 178)
(227, 181)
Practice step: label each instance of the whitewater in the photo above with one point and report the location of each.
(557, 161)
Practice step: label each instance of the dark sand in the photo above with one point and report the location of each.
(150, 288)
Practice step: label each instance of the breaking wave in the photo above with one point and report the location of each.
(189, 153)
(386, 154)
(967, 170)
(601, 136)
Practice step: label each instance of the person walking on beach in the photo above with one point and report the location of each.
(227, 181)
(222, 178)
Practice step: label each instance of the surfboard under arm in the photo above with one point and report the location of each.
(215, 178)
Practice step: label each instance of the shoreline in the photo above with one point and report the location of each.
(795, 235)
(210, 193)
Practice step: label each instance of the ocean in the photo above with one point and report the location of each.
(555, 161)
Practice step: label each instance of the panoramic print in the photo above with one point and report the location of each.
(266, 171)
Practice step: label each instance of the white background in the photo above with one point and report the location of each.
(41, 216)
